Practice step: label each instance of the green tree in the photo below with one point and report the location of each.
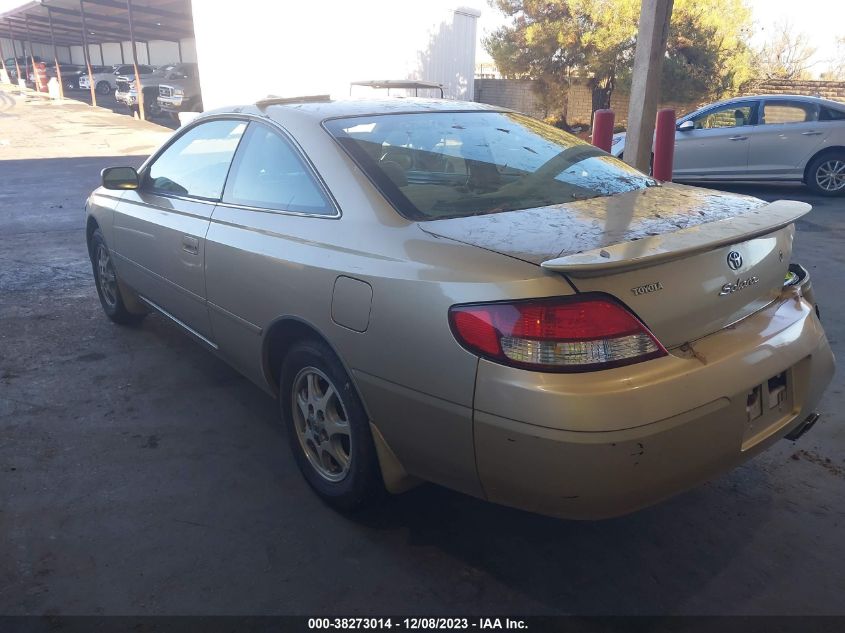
(553, 41)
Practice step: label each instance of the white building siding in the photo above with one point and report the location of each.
(111, 53)
(162, 52)
(77, 55)
(45, 51)
(305, 48)
(189, 50)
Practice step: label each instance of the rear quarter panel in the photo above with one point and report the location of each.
(416, 382)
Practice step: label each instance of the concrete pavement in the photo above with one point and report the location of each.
(140, 475)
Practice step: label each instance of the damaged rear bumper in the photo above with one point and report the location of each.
(598, 445)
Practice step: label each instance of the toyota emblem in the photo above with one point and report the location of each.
(734, 260)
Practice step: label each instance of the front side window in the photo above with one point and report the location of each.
(727, 116)
(433, 165)
(269, 174)
(197, 162)
(779, 112)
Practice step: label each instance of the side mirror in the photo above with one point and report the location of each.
(686, 126)
(120, 178)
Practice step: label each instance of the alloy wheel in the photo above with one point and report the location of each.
(830, 175)
(322, 424)
(106, 276)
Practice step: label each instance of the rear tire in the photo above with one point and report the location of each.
(826, 174)
(105, 278)
(328, 428)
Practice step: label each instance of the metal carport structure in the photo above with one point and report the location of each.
(71, 23)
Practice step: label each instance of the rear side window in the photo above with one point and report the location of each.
(829, 114)
(196, 163)
(268, 173)
(433, 165)
(779, 112)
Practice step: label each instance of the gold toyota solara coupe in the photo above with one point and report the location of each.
(456, 293)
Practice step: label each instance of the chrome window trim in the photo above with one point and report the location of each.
(144, 168)
(248, 118)
(786, 101)
(743, 101)
(306, 214)
(275, 126)
(174, 196)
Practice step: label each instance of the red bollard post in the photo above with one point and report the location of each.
(664, 145)
(603, 129)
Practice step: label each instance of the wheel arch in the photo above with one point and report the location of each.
(833, 149)
(282, 333)
(91, 225)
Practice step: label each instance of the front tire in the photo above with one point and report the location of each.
(105, 278)
(328, 429)
(103, 88)
(826, 174)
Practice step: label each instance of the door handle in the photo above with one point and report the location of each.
(813, 133)
(738, 138)
(190, 245)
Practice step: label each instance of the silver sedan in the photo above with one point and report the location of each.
(775, 138)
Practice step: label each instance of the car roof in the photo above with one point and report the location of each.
(779, 97)
(320, 108)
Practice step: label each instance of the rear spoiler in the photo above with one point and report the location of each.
(659, 249)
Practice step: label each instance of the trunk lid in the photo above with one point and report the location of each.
(687, 261)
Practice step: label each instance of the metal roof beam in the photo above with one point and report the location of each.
(101, 34)
(76, 29)
(108, 31)
(19, 35)
(180, 32)
(19, 26)
(142, 9)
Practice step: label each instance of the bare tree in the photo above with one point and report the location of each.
(787, 54)
(836, 66)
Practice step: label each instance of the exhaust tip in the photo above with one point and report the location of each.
(802, 428)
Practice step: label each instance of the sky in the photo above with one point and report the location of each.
(821, 20)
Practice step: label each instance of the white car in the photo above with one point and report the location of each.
(772, 138)
(105, 78)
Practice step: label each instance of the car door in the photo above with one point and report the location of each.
(789, 134)
(160, 228)
(274, 206)
(717, 146)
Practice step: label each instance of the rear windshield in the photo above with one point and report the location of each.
(435, 165)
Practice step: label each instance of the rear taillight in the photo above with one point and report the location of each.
(565, 334)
